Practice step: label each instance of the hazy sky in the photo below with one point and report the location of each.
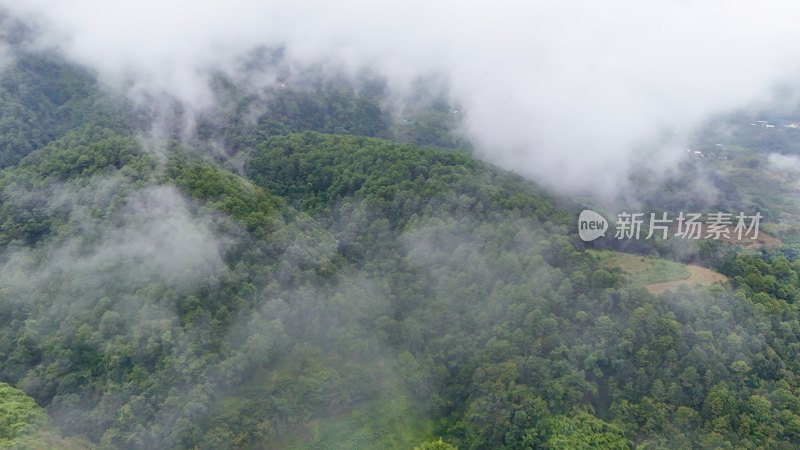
(563, 91)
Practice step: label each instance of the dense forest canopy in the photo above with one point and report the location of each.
(311, 270)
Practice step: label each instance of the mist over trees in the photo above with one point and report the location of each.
(308, 265)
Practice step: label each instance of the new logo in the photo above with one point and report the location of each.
(591, 225)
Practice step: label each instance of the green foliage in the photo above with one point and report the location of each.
(353, 292)
(41, 99)
(251, 205)
(83, 153)
(27, 190)
(19, 415)
(318, 171)
(323, 104)
(436, 445)
(583, 431)
(775, 277)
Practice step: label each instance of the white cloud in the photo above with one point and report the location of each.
(784, 162)
(561, 91)
(154, 238)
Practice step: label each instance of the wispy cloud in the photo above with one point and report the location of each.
(566, 92)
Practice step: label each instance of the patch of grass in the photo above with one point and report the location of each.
(699, 276)
(642, 270)
(656, 274)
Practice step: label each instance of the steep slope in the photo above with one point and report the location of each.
(348, 291)
(42, 98)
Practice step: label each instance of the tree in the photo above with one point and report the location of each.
(19, 415)
(436, 445)
(584, 431)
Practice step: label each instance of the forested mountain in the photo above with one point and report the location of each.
(327, 282)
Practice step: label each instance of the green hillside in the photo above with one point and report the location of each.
(331, 286)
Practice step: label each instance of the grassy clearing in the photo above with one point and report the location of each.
(642, 270)
(656, 274)
(698, 276)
